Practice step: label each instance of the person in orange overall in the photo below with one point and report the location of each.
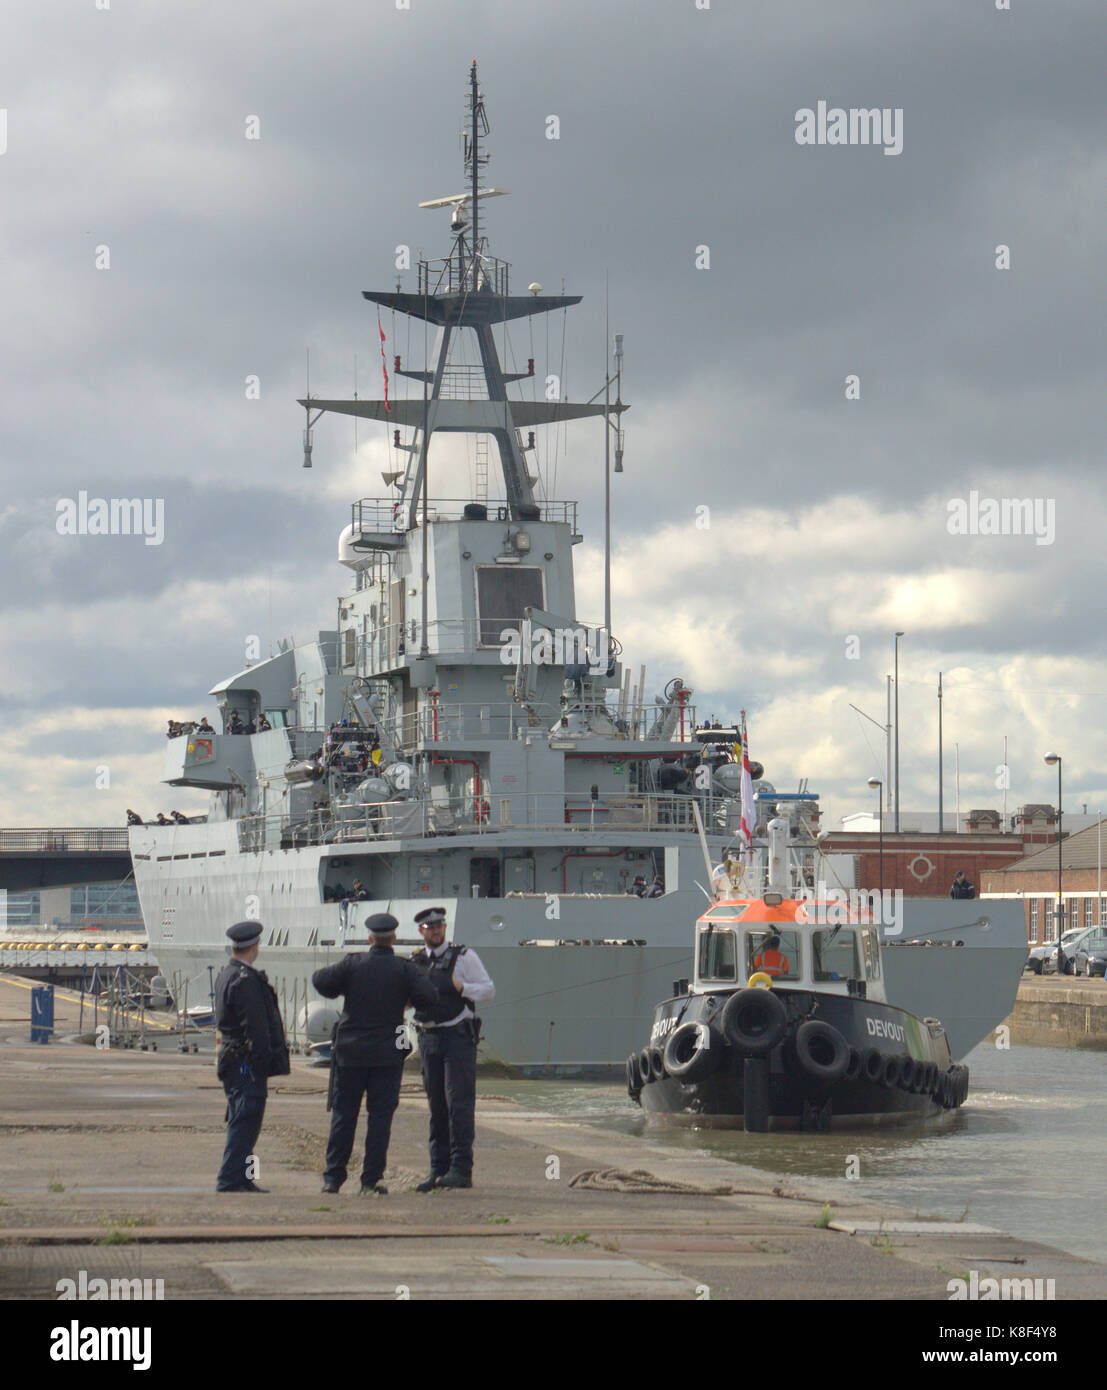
(771, 959)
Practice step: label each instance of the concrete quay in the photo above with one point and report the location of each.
(1060, 1011)
(108, 1159)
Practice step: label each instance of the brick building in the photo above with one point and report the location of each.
(1033, 878)
(922, 863)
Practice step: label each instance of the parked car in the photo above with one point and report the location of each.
(1090, 956)
(1043, 959)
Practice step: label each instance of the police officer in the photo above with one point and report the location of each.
(370, 1046)
(252, 1048)
(448, 1047)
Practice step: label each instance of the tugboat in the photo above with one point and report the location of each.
(809, 1042)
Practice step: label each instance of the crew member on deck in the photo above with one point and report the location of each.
(252, 1049)
(961, 887)
(370, 1046)
(133, 818)
(448, 1034)
(771, 959)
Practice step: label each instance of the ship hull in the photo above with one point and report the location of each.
(574, 1004)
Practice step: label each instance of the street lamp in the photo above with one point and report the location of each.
(876, 782)
(896, 826)
(1052, 758)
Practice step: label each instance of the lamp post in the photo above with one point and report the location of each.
(898, 636)
(1052, 758)
(876, 782)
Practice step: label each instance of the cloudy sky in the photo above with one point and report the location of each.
(226, 257)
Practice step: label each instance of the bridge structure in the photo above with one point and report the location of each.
(56, 857)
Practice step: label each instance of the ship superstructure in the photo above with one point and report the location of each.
(458, 735)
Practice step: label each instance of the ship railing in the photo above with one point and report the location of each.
(71, 840)
(488, 814)
(460, 274)
(455, 722)
(377, 514)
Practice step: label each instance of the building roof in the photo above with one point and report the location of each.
(1079, 851)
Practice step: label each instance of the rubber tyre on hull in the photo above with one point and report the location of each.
(754, 1021)
(657, 1064)
(694, 1051)
(822, 1051)
(634, 1076)
(872, 1064)
(644, 1066)
(891, 1071)
(853, 1071)
(907, 1071)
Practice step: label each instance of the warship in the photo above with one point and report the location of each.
(457, 736)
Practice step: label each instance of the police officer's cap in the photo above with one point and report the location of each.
(381, 924)
(430, 916)
(244, 934)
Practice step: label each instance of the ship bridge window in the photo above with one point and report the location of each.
(835, 955)
(724, 910)
(775, 953)
(502, 595)
(718, 955)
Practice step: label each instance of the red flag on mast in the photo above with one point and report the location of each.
(384, 365)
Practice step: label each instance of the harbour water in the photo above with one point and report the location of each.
(1024, 1155)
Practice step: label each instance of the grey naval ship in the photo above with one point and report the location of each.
(459, 737)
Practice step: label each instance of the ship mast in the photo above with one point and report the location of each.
(467, 289)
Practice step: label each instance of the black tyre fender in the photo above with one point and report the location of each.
(657, 1064)
(872, 1064)
(634, 1076)
(694, 1051)
(931, 1078)
(822, 1051)
(754, 1021)
(644, 1066)
(853, 1070)
(891, 1071)
(906, 1073)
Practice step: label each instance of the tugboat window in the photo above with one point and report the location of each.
(835, 955)
(775, 953)
(718, 956)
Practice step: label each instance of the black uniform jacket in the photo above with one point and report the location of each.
(378, 986)
(249, 1021)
